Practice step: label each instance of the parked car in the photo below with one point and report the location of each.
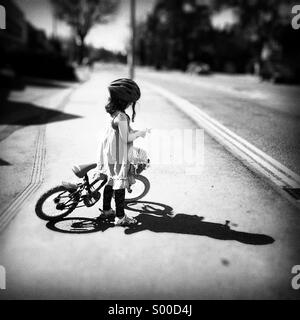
(198, 68)
(278, 72)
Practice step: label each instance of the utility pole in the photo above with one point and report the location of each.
(131, 54)
(54, 26)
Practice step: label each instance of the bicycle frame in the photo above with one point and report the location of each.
(90, 196)
(69, 196)
(86, 183)
(84, 186)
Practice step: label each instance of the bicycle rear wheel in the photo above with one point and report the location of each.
(56, 203)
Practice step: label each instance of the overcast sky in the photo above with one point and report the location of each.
(113, 35)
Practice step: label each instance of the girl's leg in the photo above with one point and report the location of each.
(124, 220)
(120, 203)
(107, 196)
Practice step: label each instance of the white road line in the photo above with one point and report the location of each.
(262, 163)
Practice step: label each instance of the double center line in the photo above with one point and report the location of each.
(276, 173)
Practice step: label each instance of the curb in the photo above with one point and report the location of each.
(37, 173)
(281, 177)
(36, 180)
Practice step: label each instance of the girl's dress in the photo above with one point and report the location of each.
(113, 158)
(118, 159)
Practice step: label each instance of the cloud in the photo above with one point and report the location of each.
(224, 18)
(112, 36)
(115, 35)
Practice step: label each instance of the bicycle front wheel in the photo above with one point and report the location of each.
(139, 189)
(56, 203)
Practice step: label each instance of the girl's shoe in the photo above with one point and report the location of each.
(107, 214)
(126, 221)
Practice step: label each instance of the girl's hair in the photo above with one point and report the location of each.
(119, 105)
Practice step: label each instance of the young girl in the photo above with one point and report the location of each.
(117, 147)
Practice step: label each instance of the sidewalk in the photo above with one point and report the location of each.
(231, 235)
(23, 120)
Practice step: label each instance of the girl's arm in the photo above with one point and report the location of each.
(126, 135)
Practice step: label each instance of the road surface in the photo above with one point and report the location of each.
(223, 234)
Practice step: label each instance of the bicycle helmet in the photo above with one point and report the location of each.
(124, 89)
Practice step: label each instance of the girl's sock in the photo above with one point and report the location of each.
(120, 203)
(107, 196)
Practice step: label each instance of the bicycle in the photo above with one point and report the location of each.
(60, 201)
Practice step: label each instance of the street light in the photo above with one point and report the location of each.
(131, 53)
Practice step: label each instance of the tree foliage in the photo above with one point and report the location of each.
(179, 32)
(172, 33)
(266, 24)
(259, 19)
(82, 15)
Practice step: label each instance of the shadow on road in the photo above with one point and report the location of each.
(79, 225)
(19, 114)
(35, 82)
(4, 163)
(158, 220)
(157, 217)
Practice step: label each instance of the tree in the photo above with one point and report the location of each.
(82, 15)
(175, 33)
(261, 22)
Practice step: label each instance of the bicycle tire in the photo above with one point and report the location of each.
(39, 205)
(146, 183)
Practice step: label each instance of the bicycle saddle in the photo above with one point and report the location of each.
(82, 170)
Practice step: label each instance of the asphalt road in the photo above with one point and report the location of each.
(224, 233)
(266, 115)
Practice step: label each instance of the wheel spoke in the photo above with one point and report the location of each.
(57, 202)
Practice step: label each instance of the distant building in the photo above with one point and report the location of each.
(15, 34)
(37, 40)
(20, 34)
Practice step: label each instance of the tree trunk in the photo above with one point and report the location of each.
(81, 50)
